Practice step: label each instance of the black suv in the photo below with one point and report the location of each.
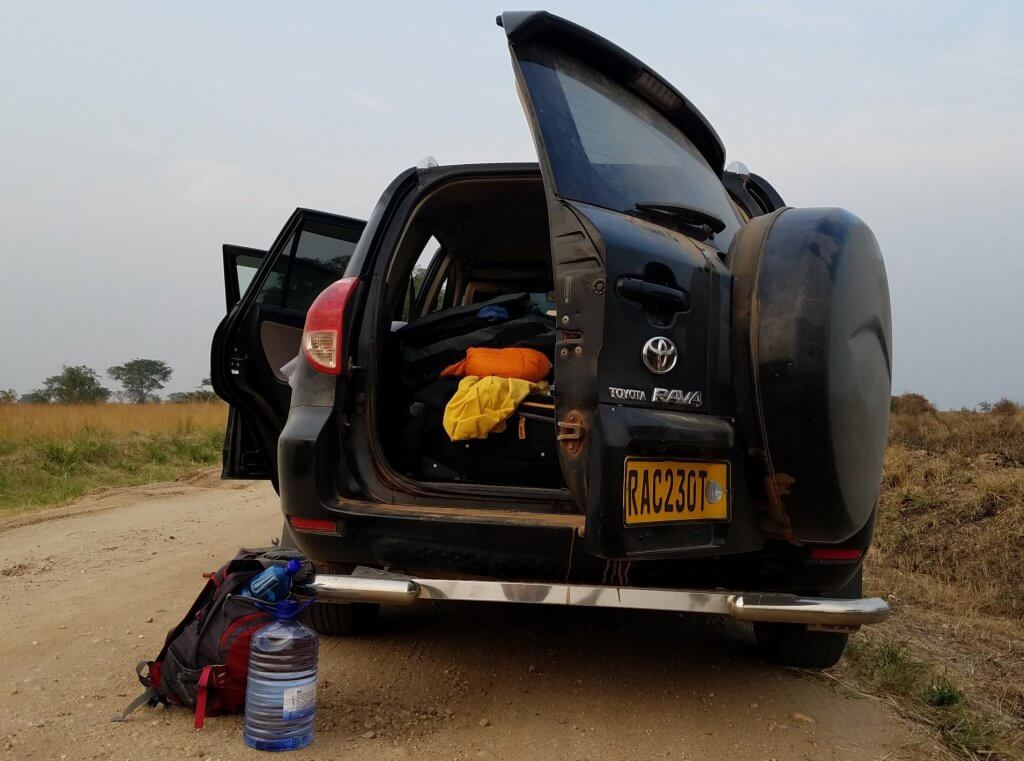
(713, 435)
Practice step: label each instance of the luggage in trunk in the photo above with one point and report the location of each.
(431, 343)
(524, 454)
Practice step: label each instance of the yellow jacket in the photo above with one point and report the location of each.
(482, 405)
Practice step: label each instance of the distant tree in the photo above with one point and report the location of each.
(202, 394)
(8, 396)
(76, 384)
(140, 378)
(33, 397)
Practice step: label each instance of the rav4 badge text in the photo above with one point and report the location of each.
(660, 395)
(677, 396)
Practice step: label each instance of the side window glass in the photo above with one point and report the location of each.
(272, 292)
(440, 301)
(418, 277)
(305, 268)
(245, 271)
(321, 257)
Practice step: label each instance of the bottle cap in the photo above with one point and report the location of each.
(293, 567)
(288, 609)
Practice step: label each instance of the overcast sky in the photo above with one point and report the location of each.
(136, 138)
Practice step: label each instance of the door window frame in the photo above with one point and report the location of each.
(231, 254)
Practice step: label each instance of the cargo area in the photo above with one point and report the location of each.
(471, 275)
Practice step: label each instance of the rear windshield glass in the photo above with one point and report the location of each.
(608, 147)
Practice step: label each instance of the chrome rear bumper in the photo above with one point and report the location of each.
(369, 585)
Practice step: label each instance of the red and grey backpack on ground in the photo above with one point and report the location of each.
(204, 662)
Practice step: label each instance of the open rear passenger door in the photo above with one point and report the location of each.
(267, 297)
(240, 455)
(638, 215)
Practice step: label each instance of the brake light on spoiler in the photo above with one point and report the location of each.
(321, 338)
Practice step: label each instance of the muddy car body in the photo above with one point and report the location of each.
(721, 375)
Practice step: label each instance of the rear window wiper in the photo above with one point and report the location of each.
(691, 216)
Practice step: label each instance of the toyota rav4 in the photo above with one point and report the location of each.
(710, 437)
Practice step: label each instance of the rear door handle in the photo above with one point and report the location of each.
(654, 295)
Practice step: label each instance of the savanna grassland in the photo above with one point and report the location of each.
(52, 453)
(949, 556)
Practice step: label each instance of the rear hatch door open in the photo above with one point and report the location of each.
(638, 217)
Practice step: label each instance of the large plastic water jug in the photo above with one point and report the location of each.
(280, 697)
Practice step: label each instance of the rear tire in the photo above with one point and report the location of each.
(342, 619)
(794, 645)
(336, 619)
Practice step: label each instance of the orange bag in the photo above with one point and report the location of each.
(528, 364)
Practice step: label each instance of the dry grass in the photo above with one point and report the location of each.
(51, 454)
(953, 504)
(26, 421)
(949, 555)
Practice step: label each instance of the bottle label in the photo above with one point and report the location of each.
(299, 701)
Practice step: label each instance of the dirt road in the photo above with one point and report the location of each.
(91, 591)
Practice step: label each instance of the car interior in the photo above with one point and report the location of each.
(472, 270)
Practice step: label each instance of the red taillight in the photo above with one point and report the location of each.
(835, 554)
(313, 524)
(321, 338)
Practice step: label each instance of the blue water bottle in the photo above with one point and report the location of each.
(273, 583)
(280, 697)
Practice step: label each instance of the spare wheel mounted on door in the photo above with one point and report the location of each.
(811, 349)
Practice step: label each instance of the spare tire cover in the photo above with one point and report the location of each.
(812, 362)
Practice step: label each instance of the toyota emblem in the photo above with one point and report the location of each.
(659, 355)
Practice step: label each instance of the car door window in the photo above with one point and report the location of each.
(307, 264)
(272, 291)
(320, 258)
(245, 271)
(425, 272)
(241, 265)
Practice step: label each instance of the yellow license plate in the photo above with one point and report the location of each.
(668, 491)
